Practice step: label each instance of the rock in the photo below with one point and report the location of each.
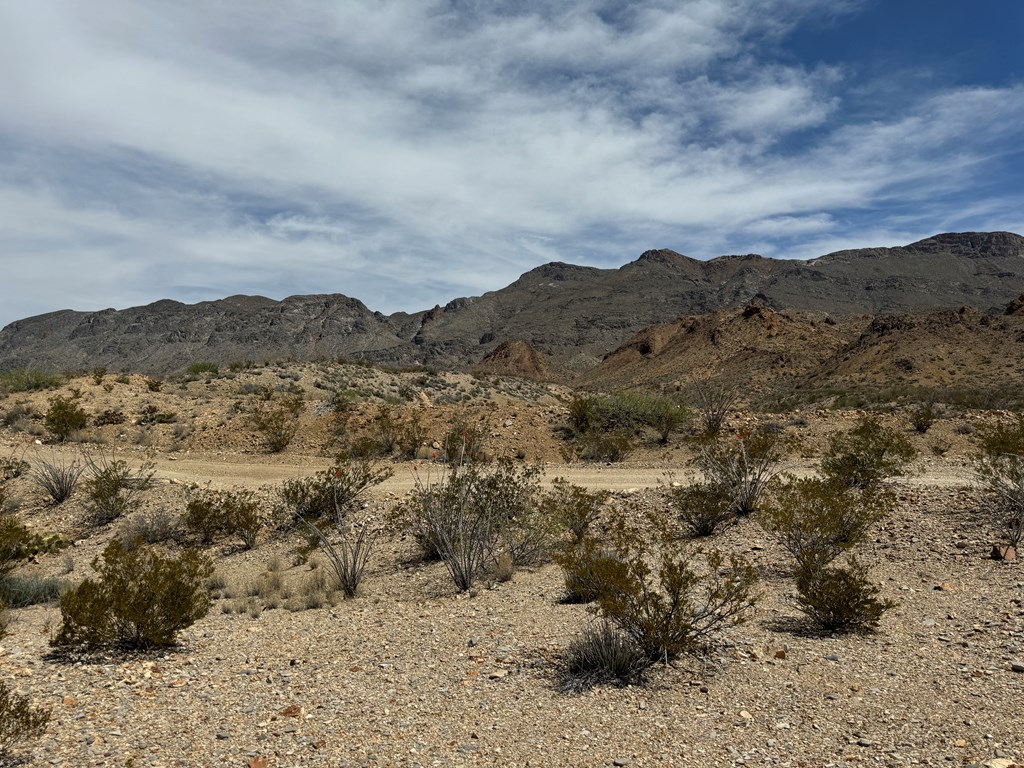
(1001, 762)
(620, 761)
(1004, 552)
(1017, 666)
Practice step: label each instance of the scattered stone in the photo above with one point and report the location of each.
(1017, 666)
(1004, 552)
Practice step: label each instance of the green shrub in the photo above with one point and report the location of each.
(150, 414)
(279, 424)
(840, 599)
(713, 400)
(667, 599)
(574, 506)
(816, 520)
(340, 485)
(140, 599)
(923, 417)
(12, 467)
(210, 514)
(19, 720)
(113, 487)
(866, 455)
(199, 369)
(588, 570)
(628, 412)
(463, 443)
(109, 416)
(64, 417)
(58, 478)
(1000, 469)
(15, 543)
(28, 380)
(601, 655)
(612, 446)
(702, 507)
(154, 385)
(154, 527)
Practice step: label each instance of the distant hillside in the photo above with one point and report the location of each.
(570, 315)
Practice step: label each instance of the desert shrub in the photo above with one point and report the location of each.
(140, 599)
(668, 599)
(209, 514)
(588, 570)
(346, 546)
(463, 443)
(628, 412)
(574, 506)
(9, 503)
(601, 654)
(150, 414)
(866, 455)
(612, 446)
(474, 513)
(15, 543)
(279, 424)
(23, 591)
(713, 401)
(109, 416)
(12, 467)
(19, 720)
(923, 417)
(816, 520)
(840, 599)
(743, 466)
(58, 478)
(1000, 469)
(702, 507)
(19, 417)
(340, 485)
(64, 417)
(411, 435)
(154, 385)
(154, 527)
(28, 380)
(113, 487)
(199, 369)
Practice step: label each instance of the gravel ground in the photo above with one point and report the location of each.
(412, 674)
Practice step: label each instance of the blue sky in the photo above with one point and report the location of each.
(407, 152)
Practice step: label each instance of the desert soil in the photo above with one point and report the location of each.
(412, 673)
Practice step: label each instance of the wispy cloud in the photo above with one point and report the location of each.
(408, 152)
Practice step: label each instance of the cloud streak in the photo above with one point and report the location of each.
(408, 152)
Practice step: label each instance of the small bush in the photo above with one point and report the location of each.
(108, 417)
(589, 570)
(64, 417)
(278, 425)
(816, 520)
(1000, 469)
(626, 412)
(200, 369)
(12, 467)
(1002, 439)
(19, 720)
(340, 485)
(150, 414)
(840, 599)
(58, 478)
(28, 380)
(154, 385)
(154, 527)
(15, 543)
(210, 514)
(139, 600)
(23, 591)
(714, 400)
(923, 417)
(114, 486)
(742, 467)
(702, 507)
(601, 655)
(866, 455)
(604, 446)
(574, 506)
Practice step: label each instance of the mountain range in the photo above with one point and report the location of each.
(565, 319)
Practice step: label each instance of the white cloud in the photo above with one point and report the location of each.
(407, 152)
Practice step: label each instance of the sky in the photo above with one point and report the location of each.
(408, 152)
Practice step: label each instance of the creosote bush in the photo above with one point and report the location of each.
(702, 507)
(574, 507)
(840, 599)
(341, 484)
(64, 417)
(667, 598)
(139, 599)
(209, 514)
(713, 400)
(19, 720)
(816, 519)
(113, 486)
(1000, 469)
(627, 414)
(866, 455)
(278, 424)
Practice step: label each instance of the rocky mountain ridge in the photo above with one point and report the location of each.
(573, 316)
